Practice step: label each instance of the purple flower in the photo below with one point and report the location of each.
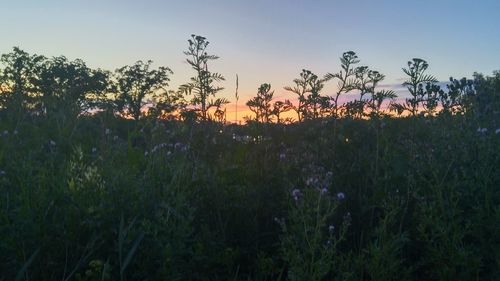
(296, 194)
(497, 131)
(482, 130)
(323, 191)
(282, 156)
(341, 196)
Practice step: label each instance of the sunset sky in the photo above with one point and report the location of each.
(262, 41)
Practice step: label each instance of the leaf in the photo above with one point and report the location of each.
(131, 252)
(21, 272)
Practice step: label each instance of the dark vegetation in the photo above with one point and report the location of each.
(96, 187)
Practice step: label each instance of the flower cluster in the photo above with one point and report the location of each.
(482, 130)
(249, 139)
(296, 194)
(177, 146)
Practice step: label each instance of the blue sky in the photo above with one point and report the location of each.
(263, 41)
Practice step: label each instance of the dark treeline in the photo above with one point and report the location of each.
(115, 176)
(63, 89)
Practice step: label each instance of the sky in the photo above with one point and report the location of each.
(263, 41)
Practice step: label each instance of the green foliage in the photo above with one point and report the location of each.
(136, 85)
(90, 195)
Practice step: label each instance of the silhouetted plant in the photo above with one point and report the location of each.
(301, 88)
(346, 79)
(415, 85)
(459, 97)
(136, 86)
(316, 105)
(202, 85)
(280, 107)
(261, 104)
(378, 99)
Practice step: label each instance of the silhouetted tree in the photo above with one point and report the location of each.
(137, 84)
(168, 105)
(486, 102)
(202, 85)
(17, 78)
(69, 88)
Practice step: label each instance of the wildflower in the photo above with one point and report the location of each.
(348, 218)
(115, 138)
(280, 221)
(331, 228)
(5, 133)
(341, 196)
(169, 153)
(107, 131)
(311, 180)
(497, 131)
(323, 191)
(282, 156)
(482, 130)
(146, 153)
(94, 150)
(53, 143)
(296, 194)
(2, 173)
